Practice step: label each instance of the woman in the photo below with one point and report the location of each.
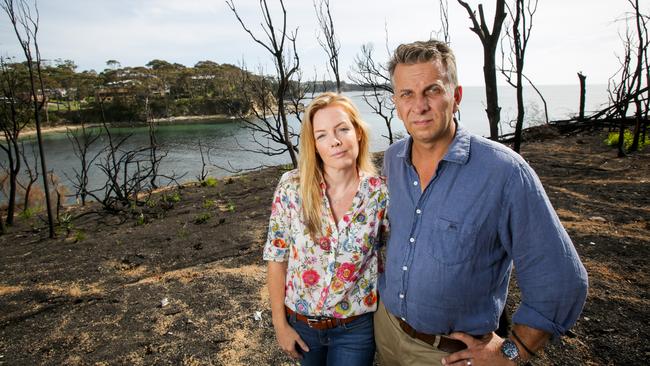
(327, 221)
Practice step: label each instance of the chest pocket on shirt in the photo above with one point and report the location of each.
(452, 242)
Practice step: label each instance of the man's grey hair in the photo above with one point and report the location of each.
(425, 51)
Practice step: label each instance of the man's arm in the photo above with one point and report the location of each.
(550, 275)
(552, 279)
(529, 340)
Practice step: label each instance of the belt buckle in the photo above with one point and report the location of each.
(312, 321)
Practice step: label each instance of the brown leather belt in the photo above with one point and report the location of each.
(445, 344)
(319, 322)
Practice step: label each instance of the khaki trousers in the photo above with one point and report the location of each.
(397, 348)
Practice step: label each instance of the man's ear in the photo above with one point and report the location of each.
(458, 96)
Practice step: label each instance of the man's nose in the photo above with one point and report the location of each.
(421, 104)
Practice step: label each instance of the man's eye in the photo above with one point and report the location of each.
(434, 90)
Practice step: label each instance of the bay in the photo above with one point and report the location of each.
(229, 143)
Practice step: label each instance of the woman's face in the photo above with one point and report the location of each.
(337, 142)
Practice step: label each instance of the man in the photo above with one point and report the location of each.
(463, 209)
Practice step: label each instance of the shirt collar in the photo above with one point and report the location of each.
(458, 151)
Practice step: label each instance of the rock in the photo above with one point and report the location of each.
(172, 311)
(597, 218)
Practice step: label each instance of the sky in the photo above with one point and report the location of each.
(567, 36)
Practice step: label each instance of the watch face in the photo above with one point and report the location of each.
(509, 350)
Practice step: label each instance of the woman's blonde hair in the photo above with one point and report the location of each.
(310, 164)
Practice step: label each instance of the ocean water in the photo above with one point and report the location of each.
(229, 144)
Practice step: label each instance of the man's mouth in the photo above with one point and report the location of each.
(422, 122)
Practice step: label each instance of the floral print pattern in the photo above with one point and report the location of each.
(337, 275)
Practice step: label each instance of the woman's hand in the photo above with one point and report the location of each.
(287, 337)
(289, 341)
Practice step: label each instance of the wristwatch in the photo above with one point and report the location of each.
(511, 352)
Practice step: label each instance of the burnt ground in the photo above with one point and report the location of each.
(180, 282)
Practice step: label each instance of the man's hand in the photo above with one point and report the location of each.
(289, 341)
(479, 352)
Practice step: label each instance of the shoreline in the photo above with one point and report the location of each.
(29, 132)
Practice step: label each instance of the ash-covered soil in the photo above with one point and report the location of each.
(179, 281)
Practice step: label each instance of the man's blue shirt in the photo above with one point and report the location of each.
(451, 247)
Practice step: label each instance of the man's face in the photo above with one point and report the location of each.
(425, 101)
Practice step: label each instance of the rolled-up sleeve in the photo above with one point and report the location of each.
(552, 279)
(278, 239)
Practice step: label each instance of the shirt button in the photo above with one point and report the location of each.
(404, 268)
(412, 240)
(418, 211)
(415, 183)
(401, 296)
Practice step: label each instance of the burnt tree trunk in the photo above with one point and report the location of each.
(621, 138)
(489, 40)
(14, 170)
(520, 112)
(582, 78)
(491, 94)
(2, 226)
(638, 73)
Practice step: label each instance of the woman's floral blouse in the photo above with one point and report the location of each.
(337, 276)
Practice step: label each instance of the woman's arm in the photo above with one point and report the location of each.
(285, 334)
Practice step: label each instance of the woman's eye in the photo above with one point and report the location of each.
(319, 137)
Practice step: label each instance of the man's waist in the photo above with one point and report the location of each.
(480, 317)
(441, 342)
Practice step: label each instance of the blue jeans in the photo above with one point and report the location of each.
(351, 344)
